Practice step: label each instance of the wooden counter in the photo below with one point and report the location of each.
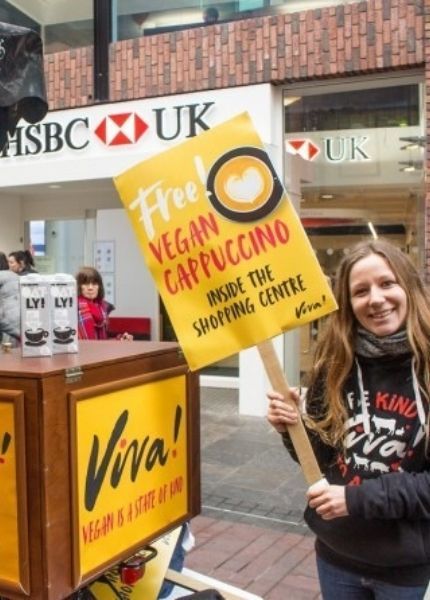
(99, 455)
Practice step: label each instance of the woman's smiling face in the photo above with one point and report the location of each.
(378, 301)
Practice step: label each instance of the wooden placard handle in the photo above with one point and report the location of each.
(297, 433)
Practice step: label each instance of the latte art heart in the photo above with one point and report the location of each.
(245, 188)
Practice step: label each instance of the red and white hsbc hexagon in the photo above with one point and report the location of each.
(304, 147)
(121, 128)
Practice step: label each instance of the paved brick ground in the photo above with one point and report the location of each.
(251, 532)
(272, 564)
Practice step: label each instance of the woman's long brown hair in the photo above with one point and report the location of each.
(334, 355)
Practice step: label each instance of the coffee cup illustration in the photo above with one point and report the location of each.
(243, 185)
(64, 333)
(35, 336)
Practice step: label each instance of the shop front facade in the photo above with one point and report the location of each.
(338, 94)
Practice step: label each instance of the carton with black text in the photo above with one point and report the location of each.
(36, 337)
(64, 313)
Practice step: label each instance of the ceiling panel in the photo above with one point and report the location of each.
(47, 12)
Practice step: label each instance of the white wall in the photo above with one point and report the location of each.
(11, 223)
(65, 204)
(65, 243)
(135, 292)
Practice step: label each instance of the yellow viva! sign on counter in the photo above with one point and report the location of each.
(9, 546)
(131, 479)
(227, 250)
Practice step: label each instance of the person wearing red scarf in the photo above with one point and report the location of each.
(93, 309)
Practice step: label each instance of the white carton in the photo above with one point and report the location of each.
(64, 313)
(35, 316)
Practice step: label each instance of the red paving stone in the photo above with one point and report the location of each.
(274, 565)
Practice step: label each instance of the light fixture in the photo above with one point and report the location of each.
(321, 212)
(326, 196)
(288, 100)
(411, 146)
(372, 230)
(413, 142)
(411, 165)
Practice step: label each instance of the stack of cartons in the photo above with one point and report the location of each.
(49, 314)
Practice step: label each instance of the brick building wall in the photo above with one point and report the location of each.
(354, 39)
(346, 40)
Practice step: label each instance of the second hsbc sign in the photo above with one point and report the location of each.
(122, 128)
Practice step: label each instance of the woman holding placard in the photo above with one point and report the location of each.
(367, 414)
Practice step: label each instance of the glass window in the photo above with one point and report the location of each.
(367, 151)
(367, 178)
(251, 4)
(62, 24)
(38, 237)
(64, 36)
(354, 110)
(10, 14)
(133, 18)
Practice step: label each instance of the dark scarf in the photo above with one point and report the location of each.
(370, 345)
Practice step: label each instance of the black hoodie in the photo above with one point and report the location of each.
(387, 532)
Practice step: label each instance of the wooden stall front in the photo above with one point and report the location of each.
(99, 455)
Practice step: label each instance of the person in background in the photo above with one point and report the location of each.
(9, 303)
(93, 309)
(21, 262)
(367, 414)
(210, 15)
(185, 543)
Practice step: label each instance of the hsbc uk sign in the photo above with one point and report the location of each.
(334, 149)
(122, 128)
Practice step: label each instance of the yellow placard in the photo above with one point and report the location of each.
(131, 467)
(9, 546)
(227, 250)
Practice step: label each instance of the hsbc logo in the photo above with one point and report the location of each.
(121, 129)
(116, 129)
(303, 147)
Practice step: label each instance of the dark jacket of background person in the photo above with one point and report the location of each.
(9, 302)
